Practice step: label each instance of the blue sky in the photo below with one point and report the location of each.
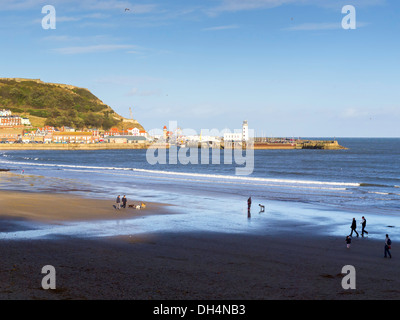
(286, 66)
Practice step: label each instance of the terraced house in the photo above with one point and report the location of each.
(75, 137)
(11, 134)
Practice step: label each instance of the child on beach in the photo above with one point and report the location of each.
(348, 241)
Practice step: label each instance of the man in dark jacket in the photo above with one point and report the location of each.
(248, 206)
(363, 224)
(388, 246)
(354, 227)
(124, 201)
(118, 202)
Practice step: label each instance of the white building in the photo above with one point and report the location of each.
(5, 113)
(25, 121)
(238, 136)
(133, 132)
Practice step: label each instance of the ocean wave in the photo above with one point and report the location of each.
(381, 193)
(197, 175)
(226, 182)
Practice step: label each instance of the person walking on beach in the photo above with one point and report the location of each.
(124, 202)
(388, 246)
(363, 224)
(348, 241)
(118, 201)
(248, 207)
(354, 227)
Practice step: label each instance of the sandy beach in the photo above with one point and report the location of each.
(54, 208)
(176, 266)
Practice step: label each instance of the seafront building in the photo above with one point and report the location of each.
(206, 138)
(14, 128)
(10, 121)
(7, 119)
(11, 134)
(242, 136)
(75, 137)
(5, 113)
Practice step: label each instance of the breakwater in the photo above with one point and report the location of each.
(299, 145)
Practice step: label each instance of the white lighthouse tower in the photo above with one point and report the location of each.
(245, 131)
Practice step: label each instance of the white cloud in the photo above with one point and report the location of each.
(79, 4)
(240, 5)
(221, 28)
(94, 48)
(62, 38)
(67, 19)
(128, 80)
(352, 113)
(315, 26)
(369, 113)
(321, 26)
(144, 93)
(246, 5)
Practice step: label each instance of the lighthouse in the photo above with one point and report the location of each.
(245, 131)
(165, 132)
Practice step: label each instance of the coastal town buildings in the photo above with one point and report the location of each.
(10, 121)
(7, 119)
(75, 137)
(25, 121)
(5, 113)
(125, 139)
(136, 132)
(11, 134)
(14, 128)
(241, 136)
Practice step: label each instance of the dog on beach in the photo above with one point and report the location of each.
(262, 208)
(135, 206)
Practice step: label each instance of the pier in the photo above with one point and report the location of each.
(288, 144)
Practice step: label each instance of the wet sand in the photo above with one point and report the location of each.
(197, 267)
(53, 208)
(175, 266)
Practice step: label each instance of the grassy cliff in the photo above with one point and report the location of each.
(58, 105)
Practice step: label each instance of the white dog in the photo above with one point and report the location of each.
(262, 208)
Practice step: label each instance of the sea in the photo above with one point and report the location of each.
(324, 188)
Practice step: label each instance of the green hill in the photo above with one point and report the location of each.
(58, 105)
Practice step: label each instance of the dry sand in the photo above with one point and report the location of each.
(195, 266)
(62, 207)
